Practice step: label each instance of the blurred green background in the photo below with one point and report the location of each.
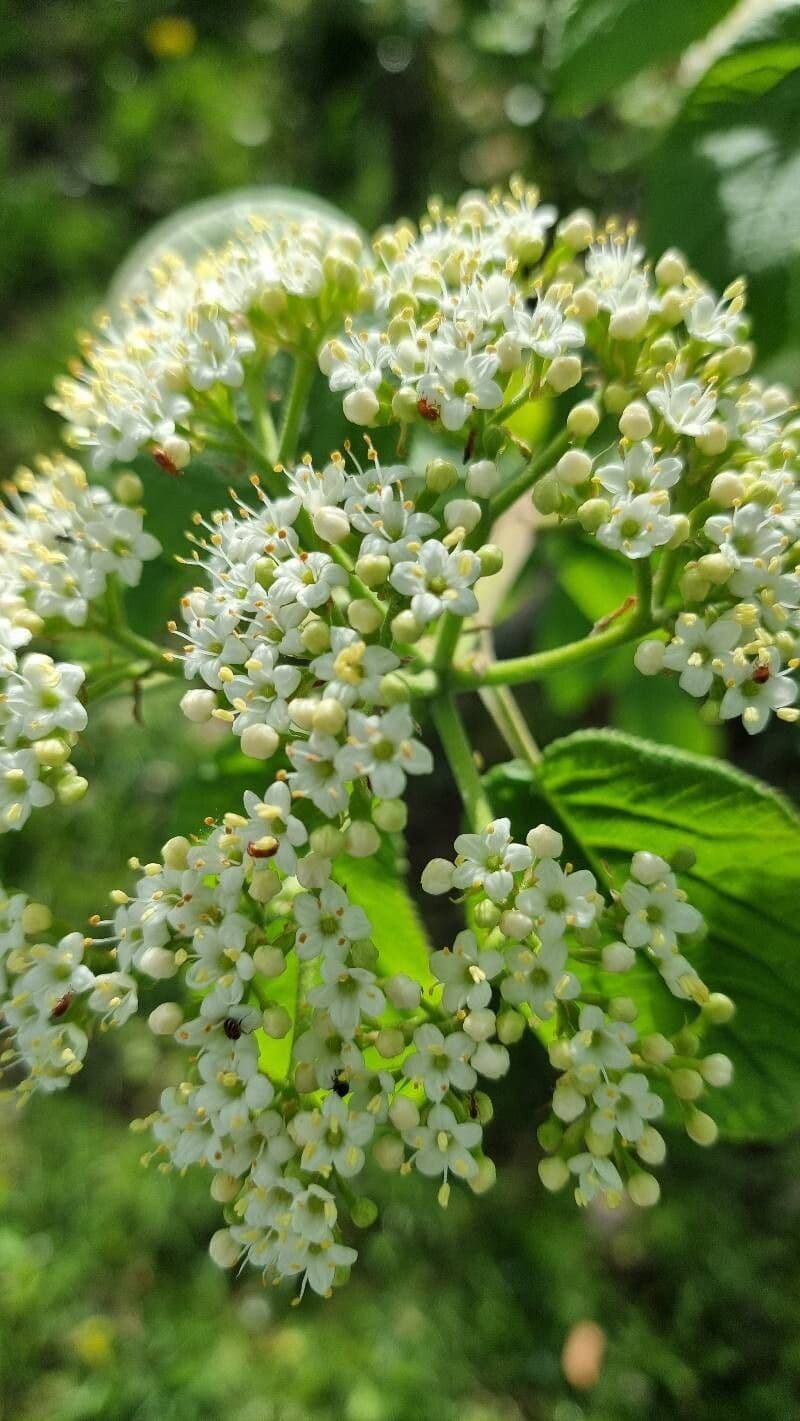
(684, 115)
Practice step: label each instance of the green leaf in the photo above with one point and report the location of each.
(731, 159)
(612, 795)
(376, 886)
(596, 45)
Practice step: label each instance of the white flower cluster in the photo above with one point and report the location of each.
(50, 999)
(60, 541)
(544, 946)
(171, 364)
(292, 658)
(670, 452)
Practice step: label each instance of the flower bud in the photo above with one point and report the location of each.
(405, 404)
(651, 1146)
(389, 1152)
(544, 842)
(510, 1026)
(373, 569)
(547, 495)
(391, 816)
(406, 629)
(480, 1024)
(276, 1022)
(158, 963)
(585, 303)
(364, 616)
(36, 919)
(198, 706)
(644, 1190)
(670, 268)
(462, 513)
(687, 1084)
(490, 1059)
(487, 915)
(693, 586)
(491, 559)
(565, 371)
(593, 513)
(361, 406)
(629, 321)
(701, 1128)
(483, 478)
(577, 230)
(623, 1009)
(269, 961)
(390, 1042)
(515, 925)
(71, 789)
(553, 1173)
(635, 422)
(437, 877)
(259, 741)
(332, 525)
(736, 361)
(329, 716)
(175, 852)
(224, 1188)
(128, 489)
(223, 1249)
(165, 1019)
(177, 450)
(440, 475)
(672, 306)
(264, 885)
(618, 957)
(51, 752)
(485, 1178)
(403, 992)
(363, 1212)
(717, 1070)
(327, 841)
(726, 489)
(714, 568)
(574, 467)
(713, 439)
(719, 1009)
(361, 839)
(302, 711)
(656, 1049)
(582, 420)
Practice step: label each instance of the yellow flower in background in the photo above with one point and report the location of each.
(171, 37)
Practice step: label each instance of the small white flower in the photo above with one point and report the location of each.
(756, 689)
(625, 1106)
(685, 405)
(467, 973)
(489, 861)
(442, 1145)
(328, 923)
(539, 978)
(601, 1042)
(696, 646)
(559, 900)
(637, 525)
(382, 748)
(332, 1137)
(347, 994)
(440, 1062)
(657, 913)
(596, 1177)
(638, 471)
(438, 581)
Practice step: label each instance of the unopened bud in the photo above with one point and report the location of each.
(198, 706)
(565, 371)
(165, 1019)
(364, 616)
(373, 569)
(361, 406)
(259, 741)
(635, 422)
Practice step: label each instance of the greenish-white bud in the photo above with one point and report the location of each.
(223, 1249)
(224, 1188)
(585, 303)
(565, 372)
(485, 1178)
(440, 475)
(361, 406)
(726, 489)
(128, 489)
(593, 514)
(363, 1212)
(681, 530)
(577, 230)
(389, 1042)
(406, 629)
(651, 1146)
(389, 1152)
(490, 558)
(547, 495)
(510, 1026)
(373, 569)
(329, 716)
(656, 1049)
(391, 816)
(553, 1173)
(176, 852)
(574, 467)
(701, 1128)
(437, 877)
(269, 960)
(736, 361)
(259, 741)
(361, 839)
(719, 1009)
(582, 420)
(364, 616)
(198, 706)
(487, 915)
(276, 1022)
(686, 1083)
(462, 513)
(616, 397)
(483, 478)
(51, 752)
(332, 524)
(71, 788)
(165, 1019)
(713, 440)
(670, 268)
(635, 422)
(714, 568)
(717, 1070)
(672, 306)
(644, 1189)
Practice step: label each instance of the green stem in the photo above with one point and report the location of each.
(511, 723)
(458, 750)
(294, 407)
(517, 670)
(446, 642)
(527, 477)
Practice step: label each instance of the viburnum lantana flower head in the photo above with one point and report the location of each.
(330, 599)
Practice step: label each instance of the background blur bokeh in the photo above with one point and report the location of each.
(684, 115)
